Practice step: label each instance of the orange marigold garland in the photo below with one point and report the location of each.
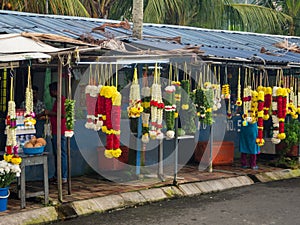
(281, 110)
(260, 114)
(239, 100)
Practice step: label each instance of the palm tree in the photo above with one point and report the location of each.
(216, 14)
(60, 7)
(137, 18)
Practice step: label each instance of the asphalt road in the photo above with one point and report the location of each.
(261, 203)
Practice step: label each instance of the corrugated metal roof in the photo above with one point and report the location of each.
(216, 43)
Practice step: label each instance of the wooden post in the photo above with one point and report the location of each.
(58, 116)
(69, 164)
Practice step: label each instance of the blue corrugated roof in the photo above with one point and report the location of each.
(216, 43)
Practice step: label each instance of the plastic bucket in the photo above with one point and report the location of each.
(4, 193)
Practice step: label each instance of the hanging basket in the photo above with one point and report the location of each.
(4, 194)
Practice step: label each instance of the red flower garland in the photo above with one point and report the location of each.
(260, 122)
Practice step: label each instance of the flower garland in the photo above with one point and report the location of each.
(254, 106)
(145, 114)
(91, 94)
(170, 108)
(112, 104)
(268, 101)
(157, 107)
(29, 120)
(134, 109)
(70, 117)
(204, 102)
(275, 120)
(298, 102)
(11, 149)
(225, 91)
(260, 114)
(239, 99)
(185, 84)
(247, 97)
(292, 110)
(281, 110)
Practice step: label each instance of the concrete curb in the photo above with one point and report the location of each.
(129, 199)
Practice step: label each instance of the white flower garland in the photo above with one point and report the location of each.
(275, 119)
(134, 109)
(247, 105)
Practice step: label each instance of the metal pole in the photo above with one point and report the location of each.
(176, 153)
(210, 167)
(58, 116)
(69, 165)
(160, 160)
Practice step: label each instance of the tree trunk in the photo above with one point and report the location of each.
(137, 18)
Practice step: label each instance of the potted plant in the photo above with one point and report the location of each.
(289, 146)
(291, 142)
(8, 172)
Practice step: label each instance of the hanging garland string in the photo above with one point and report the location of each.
(282, 94)
(134, 109)
(11, 149)
(70, 108)
(91, 95)
(29, 120)
(157, 107)
(185, 84)
(177, 85)
(292, 109)
(275, 119)
(247, 98)
(268, 96)
(239, 99)
(112, 119)
(260, 113)
(146, 106)
(170, 106)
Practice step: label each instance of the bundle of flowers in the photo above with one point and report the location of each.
(268, 101)
(145, 114)
(157, 107)
(177, 85)
(281, 110)
(185, 84)
(111, 120)
(8, 172)
(239, 99)
(217, 96)
(91, 94)
(275, 119)
(292, 109)
(225, 91)
(254, 106)
(170, 108)
(29, 114)
(11, 149)
(260, 114)
(70, 117)
(247, 105)
(204, 104)
(134, 109)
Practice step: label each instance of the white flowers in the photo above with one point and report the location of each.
(8, 172)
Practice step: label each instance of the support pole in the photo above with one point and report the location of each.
(69, 165)
(211, 141)
(58, 116)
(176, 153)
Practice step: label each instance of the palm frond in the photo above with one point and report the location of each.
(260, 19)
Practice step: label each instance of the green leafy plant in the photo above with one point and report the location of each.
(292, 130)
(70, 113)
